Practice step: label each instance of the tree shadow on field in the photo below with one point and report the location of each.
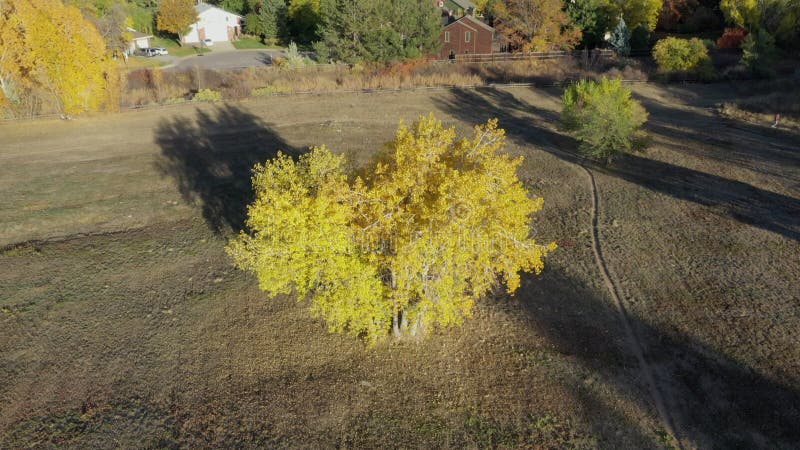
(212, 157)
(713, 401)
(720, 403)
(527, 124)
(771, 152)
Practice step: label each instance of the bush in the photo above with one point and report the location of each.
(683, 55)
(207, 95)
(603, 117)
(758, 53)
(732, 38)
(640, 38)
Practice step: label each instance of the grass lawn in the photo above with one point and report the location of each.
(123, 323)
(247, 42)
(176, 50)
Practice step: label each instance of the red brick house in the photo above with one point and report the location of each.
(466, 35)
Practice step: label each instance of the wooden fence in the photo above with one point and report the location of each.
(489, 58)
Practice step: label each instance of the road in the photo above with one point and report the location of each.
(227, 59)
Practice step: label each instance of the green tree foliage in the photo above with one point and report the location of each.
(377, 30)
(604, 117)
(413, 244)
(743, 13)
(234, 6)
(594, 18)
(638, 12)
(175, 16)
(683, 55)
(268, 19)
(536, 25)
(305, 19)
(49, 49)
(758, 53)
(621, 39)
(779, 18)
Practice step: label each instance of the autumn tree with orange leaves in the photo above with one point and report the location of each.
(535, 25)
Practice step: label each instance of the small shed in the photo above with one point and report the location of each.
(465, 36)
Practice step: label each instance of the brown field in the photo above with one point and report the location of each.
(123, 324)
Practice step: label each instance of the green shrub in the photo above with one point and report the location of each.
(207, 95)
(758, 53)
(683, 55)
(603, 117)
(294, 60)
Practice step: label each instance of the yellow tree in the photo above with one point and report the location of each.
(175, 16)
(638, 12)
(54, 48)
(15, 57)
(430, 231)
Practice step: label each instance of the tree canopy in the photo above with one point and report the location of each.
(415, 242)
(50, 50)
(604, 117)
(175, 16)
(536, 25)
(377, 30)
(268, 19)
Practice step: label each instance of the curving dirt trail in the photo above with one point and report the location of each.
(632, 339)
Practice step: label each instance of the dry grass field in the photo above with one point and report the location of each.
(123, 324)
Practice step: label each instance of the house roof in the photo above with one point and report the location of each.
(203, 7)
(138, 34)
(472, 23)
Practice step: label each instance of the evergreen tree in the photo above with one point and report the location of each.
(268, 19)
(377, 30)
(621, 39)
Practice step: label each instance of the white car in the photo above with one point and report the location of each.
(161, 51)
(208, 42)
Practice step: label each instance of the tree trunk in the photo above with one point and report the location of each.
(396, 325)
(417, 327)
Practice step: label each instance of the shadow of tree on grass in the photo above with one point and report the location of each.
(714, 401)
(211, 158)
(741, 201)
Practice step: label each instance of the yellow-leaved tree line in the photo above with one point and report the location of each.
(414, 242)
(49, 53)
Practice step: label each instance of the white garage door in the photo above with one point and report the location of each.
(217, 31)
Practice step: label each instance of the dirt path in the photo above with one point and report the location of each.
(633, 340)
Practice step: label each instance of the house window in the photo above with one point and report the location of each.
(447, 36)
(467, 36)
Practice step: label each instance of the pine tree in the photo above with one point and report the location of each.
(621, 39)
(377, 30)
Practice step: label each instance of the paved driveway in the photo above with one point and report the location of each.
(227, 59)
